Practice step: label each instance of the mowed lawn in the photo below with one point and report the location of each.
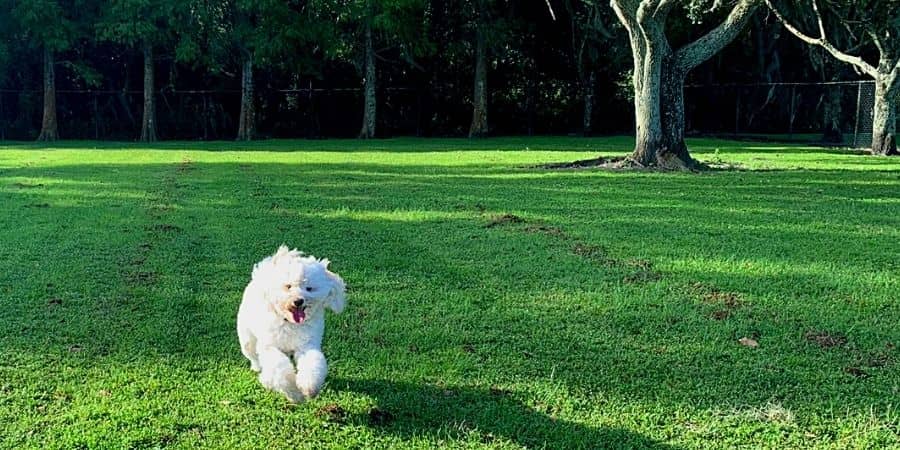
(491, 304)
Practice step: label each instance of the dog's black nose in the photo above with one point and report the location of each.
(298, 303)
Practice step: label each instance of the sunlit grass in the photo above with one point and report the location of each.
(492, 304)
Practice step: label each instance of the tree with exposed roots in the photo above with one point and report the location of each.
(659, 73)
(868, 23)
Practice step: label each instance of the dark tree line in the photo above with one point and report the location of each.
(588, 55)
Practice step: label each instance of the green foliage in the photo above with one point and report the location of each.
(492, 305)
(83, 72)
(852, 25)
(49, 23)
(138, 22)
(398, 24)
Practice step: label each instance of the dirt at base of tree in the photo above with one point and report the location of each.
(622, 163)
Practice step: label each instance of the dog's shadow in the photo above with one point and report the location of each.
(465, 414)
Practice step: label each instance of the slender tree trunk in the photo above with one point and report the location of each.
(49, 127)
(369, 100)
(884, 124)
(148, 122)
(479, 127)
(588, 89)
(247, 118)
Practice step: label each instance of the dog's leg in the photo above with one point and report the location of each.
(248, 347)
(278, 374)
(311, 371)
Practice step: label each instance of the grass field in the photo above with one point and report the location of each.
(491, 304)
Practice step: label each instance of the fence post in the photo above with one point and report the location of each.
(96, 117)
(737, 112)
(791, 119)
(856, 126)
(2, 122)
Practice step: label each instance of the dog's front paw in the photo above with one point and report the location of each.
(311, 372)
(294, 396)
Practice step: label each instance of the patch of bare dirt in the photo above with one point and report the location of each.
(626, 163)
(593, 163)
(826, 340)
(713, 296)
(21, 185)
(332, 412)
(592, 252)
(505, 219)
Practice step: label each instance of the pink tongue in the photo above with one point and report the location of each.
(299, 315)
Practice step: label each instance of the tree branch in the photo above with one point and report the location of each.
(695, 53)
(822, 41)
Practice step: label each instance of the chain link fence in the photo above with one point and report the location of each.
(839, 113)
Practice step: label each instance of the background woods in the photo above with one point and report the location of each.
(148, 69)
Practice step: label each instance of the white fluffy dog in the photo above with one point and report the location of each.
(282, 315)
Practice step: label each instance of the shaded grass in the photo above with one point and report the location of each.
(491, 305)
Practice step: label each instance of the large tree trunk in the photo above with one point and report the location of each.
(648, 121)
(247, 118)
(479, 127)
(884, 124)
(148, 122)
(49, 127)
(588, 88)
(674, 152)
(659, 76)
(369, 100)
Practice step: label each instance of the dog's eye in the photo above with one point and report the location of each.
(288, 286)
(310, 289)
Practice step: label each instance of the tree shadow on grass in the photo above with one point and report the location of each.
(488, 416)
(650, 345)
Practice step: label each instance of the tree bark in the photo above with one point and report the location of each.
(588, 88)
(647, 97)
(369, 100)
(479, 126)
(49, 126)
(659, 75)
(884, 123)
(674, 152)
(148, 122)
(247, 118)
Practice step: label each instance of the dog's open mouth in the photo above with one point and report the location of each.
(298, 314)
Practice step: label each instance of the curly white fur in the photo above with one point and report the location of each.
(282, 315)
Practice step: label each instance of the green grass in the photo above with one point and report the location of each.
(609, 316)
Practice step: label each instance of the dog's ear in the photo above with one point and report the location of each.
(285, 252)
(337, 297)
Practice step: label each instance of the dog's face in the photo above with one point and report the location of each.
(298, 285)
